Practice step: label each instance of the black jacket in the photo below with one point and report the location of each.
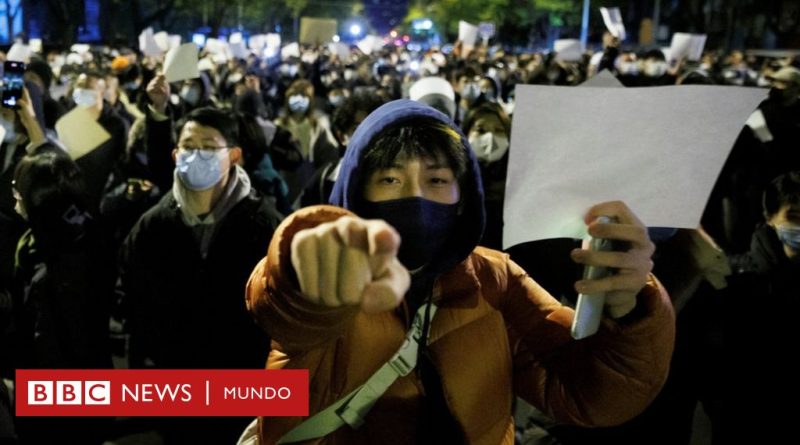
(760, 307)
(149, 153)
(186, 311)
(106, 159)
(62, 298)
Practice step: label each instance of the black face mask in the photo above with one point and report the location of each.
(424, 226)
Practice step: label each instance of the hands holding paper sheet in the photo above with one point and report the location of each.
(27, 116)
(632, 265)
(158, 93)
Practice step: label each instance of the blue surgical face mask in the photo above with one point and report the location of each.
(84, 97)
(789, 235)
(336, 99)
(199, 169)
(470, 91)
(190, 94)
(424, 226)
(298, 103)
(11, 134)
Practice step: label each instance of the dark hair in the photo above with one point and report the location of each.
(656, 54)
(252, 103)
(93, 74)
(220, 120)
(253, 141)
(41, 69)
(494, 84)
(415, 138)
(54, 197)
(697, 78)
(783, 190)
(483, 109)
(344, 117)
(470, 71)
(300, 86)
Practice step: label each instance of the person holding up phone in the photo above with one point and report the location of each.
(22, 134)
(342, 287)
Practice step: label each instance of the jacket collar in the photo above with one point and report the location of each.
(460, 281)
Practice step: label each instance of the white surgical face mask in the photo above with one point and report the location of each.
(84, 97)
(655, 69)
(489, 147)
(628, 68)
(234, 78)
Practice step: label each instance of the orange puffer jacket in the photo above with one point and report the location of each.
(496, 334)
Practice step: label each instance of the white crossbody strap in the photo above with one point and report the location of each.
(353, 408)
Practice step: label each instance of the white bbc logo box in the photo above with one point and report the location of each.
(69, 392)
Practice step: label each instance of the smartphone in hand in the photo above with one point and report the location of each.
(13, 83)
(589, 310)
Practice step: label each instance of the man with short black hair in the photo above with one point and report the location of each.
(185, 264)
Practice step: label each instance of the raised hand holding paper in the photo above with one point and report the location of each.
(80, 133)
(467, 33)
(613, 20)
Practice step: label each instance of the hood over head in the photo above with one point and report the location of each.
(471, 219)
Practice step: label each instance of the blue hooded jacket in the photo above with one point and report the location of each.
(471, 219)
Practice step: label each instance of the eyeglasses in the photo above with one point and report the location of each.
(204, 153)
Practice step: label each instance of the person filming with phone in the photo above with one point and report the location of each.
(23, 133)
(395, 257)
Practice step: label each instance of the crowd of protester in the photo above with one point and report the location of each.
(137, 254)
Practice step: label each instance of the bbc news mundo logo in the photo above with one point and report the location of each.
(119, 392)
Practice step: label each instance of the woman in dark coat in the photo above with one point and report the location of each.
(64, 282)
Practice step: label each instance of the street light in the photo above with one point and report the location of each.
(355, 29)
(422, 24)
